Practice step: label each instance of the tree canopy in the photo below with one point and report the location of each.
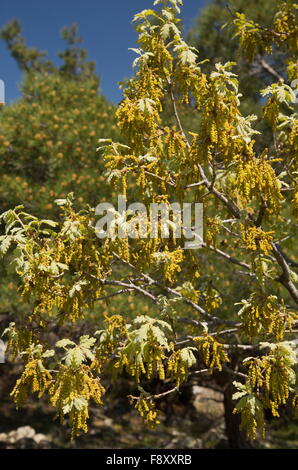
(227, 310)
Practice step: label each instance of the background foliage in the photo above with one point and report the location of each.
(52, 151)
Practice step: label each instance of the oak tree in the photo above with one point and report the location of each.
(250, 197)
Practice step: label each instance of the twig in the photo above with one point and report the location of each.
(270, 69)
(155, 397)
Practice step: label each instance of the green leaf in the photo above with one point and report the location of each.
(48, 353)
(5, 244)
(60, 202)
(78, 402)
(63, 343)
(87, 341)
(74, 357)
(165, 31)
(77, 287)
(188, 356)
(51, 223)
(143, 14)
(146, 105)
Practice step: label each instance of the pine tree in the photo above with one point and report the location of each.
(48, 137)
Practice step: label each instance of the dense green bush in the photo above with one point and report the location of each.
(48, 138)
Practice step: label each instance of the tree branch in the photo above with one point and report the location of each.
(285, 278)
(270, 69)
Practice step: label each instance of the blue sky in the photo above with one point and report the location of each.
(105, 26)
